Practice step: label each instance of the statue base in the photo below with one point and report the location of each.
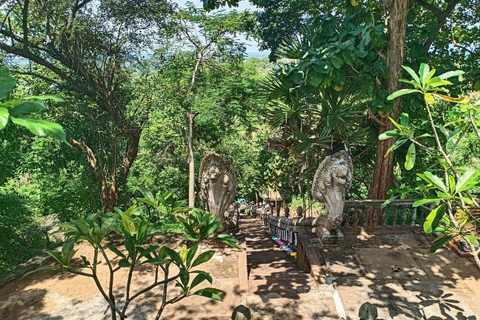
(333, 238)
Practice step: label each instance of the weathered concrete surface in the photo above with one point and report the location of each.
(399, 275)
(277, 289)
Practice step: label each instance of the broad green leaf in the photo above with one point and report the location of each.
(26, 108)
(404, 119)
(184, 277)
(433, 179)
(440, 243)
(396, 145)
(158, 261)
(57, 256)
(174, 255)
(396, 124)
(388, 134)
(7, 83)
(4, 116)
(410, 159)
(401, 92)
(42, 268)
(450, 74)
(387, 202)
(423, 72)
(420, 202)
(183, 253)
(116, 251)
(130, 246)
(227, 239)
(201, 276)
(416, 84)
(412, 73)
(429, 98)
(473, 240)
(202, 258)
(123, 263)
(429, 76)
(45, 97)
(466, 179)
(433, 218)
(211, 293)
(128, 224)
(191, 255)
(451, 184)
(437, 82)
(42, 128)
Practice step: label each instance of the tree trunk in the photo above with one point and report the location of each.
(191, 162)
(382, 176)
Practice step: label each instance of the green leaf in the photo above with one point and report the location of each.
(130, 246)
(404, 119)
(450, 74)
(184, 277)
(440, 242)
(227, 239)
(191, 255)
(26, 108)
(420, 202)
(396, 145)
(433, 179)
(204, 257)
(158, 261)
(433, 218)
(174, 255)
(451, 184)
(388, 134)
(7, 83)
(42, 268)
(211, 293)
(387, 202)
(202, 276)
(401, 92)
(412, 73)
(57, 256)
(429, 76)
(423, 72)
(429, 98)
(416, 84)
(410, 159)
(437, 82)
(128, 224)
(123, 263)
(473, 240)
(183, 253)
(466, 179)
(4, 116)
(42, 128)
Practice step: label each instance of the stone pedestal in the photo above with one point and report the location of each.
(332, 238)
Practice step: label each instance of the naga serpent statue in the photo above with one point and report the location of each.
(331, 183)
(218, 184)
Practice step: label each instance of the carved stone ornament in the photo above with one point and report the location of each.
(218, 184)
(331, 183)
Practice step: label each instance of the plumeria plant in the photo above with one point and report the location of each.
(137, 248)
(451, 195)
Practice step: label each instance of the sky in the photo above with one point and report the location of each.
(252, 45)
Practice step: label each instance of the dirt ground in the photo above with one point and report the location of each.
(53, 295)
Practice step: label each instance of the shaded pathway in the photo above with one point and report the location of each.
(277, 289)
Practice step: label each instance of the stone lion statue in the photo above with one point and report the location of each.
(331, 183)
(218, 184)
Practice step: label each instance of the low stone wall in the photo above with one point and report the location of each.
(300, 225)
